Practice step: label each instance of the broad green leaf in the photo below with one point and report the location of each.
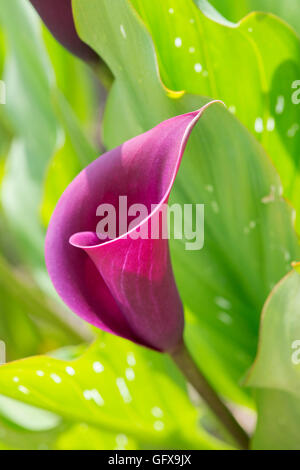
(289, 10)
(249, 238)
(26, 416)
(276, 372)
(278, 421)
(23, 427)
(115, 387)
(236, 64)
(84, 437)
(276, 364)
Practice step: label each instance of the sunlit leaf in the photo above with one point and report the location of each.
(136, 392)
(236, 64)
(289, 10)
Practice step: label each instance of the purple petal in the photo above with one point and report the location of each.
(58, 17)
(124, 285)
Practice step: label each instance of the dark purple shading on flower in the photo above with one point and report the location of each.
(58, 17)
(124, 286)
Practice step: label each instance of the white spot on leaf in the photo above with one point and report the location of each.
(121, 440)
(157, 412)
(123, 389)
(223, 303)
(131, 359)
(293, 130)
(93, 395)
(123, 32)
(98, 367)
(279, 104)
(70, 370)
(158, 425)
(130, 375)
(224, 317)
(270, 124)
(56, 378)
(259, 125)
(215, 207)
(270, 197)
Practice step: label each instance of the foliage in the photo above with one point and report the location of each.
(242, 162)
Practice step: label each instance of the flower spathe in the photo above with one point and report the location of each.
(126, 285)
(58, 17)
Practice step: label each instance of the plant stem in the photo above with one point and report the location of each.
(186, 364)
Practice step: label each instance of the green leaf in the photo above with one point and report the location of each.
(26, 416)
(115, 387)
(84, 437)
(249, 238)
(23, 427)
(276, 372)
(276, 362)
(234, 63)
(289, 10)
(278, 421)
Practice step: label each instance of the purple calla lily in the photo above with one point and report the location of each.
(58, 17)
(123, 285)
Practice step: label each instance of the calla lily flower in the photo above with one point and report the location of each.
(58, 17)
(123, 285)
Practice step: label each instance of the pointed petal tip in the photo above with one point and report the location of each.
(199, 112)
(208, 105)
